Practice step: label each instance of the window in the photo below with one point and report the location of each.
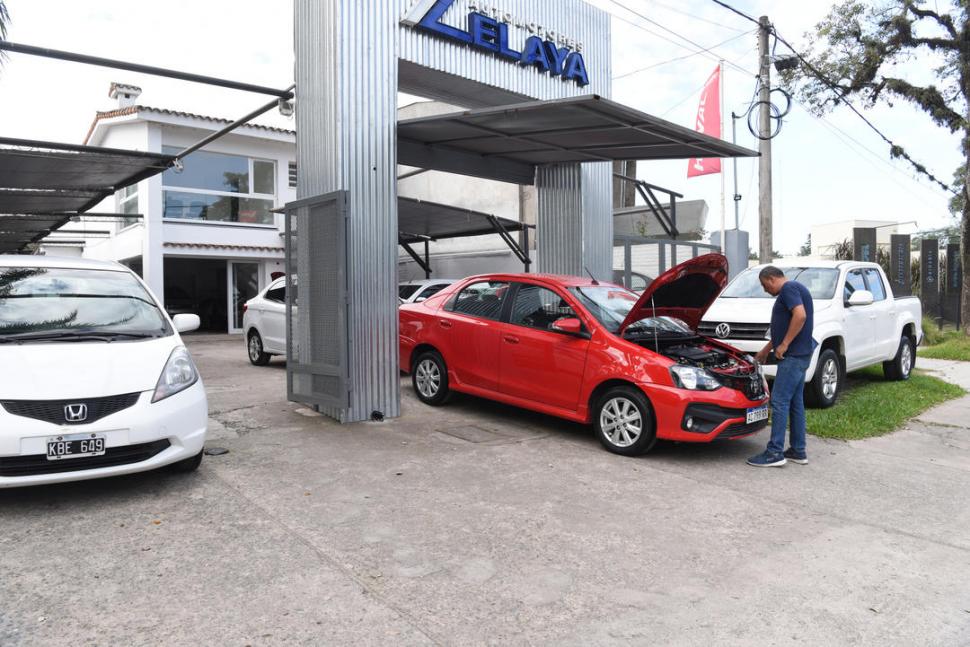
(220, 187)
(483, 299)
(432, 290)
(405, 290)
(128, 204)
(537, 307)
(875, 284)
(277, 294)
(820, 281)
(62, 300)
(853, 282)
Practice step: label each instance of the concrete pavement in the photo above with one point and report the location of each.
(477, 523)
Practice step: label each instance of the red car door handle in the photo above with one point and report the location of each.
(512, 340)
(444, 324)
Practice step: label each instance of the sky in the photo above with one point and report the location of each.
(824, 170)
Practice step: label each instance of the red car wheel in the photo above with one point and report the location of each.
(624, 421)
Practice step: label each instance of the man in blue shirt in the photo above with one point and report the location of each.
(792, 322)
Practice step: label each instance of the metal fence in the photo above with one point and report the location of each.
(637, 259)
(316, 330)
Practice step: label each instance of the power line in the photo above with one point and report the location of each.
(694, 16)
(894, 147)
(848, 141)
(697, 47)
(680, 58)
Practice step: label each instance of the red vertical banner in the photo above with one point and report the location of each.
(709, 123)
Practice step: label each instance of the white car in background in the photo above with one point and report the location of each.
(95, 380)
(264, 316)
(415, 291)
(264, 323)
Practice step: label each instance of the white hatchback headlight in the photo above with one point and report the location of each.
(179, 374)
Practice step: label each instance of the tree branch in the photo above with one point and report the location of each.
(944, 20)
(929, 99)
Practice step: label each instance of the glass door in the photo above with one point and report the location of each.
(243, 286)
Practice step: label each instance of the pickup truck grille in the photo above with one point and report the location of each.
(738, 330)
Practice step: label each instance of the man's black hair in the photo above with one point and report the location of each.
(770, 272)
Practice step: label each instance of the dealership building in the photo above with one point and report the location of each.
(522, 90)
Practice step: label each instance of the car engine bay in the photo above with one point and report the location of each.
(733, 370)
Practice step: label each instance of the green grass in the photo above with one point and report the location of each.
(947, 345)
(871, 405)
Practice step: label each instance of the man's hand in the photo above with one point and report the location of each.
(762, 355)
(781, 350)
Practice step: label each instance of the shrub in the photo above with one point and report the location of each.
(931, 332)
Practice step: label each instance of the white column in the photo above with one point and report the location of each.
(150, 205)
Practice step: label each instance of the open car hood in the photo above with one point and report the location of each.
(684, 291)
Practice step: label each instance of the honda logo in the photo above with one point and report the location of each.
(76, 412)
(722, 330)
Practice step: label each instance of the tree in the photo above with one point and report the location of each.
(860, 51)
(4, 21)
(806, 249)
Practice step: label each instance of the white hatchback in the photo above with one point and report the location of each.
(95, 380)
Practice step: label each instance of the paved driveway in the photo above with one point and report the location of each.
(481, 524)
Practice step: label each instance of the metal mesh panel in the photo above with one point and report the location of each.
(638, 260)
(316, 245)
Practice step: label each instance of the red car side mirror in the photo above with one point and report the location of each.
(570, 326)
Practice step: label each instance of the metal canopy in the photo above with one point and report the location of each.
(422, 221)
(16, 232)
(419, 220)
(507, 143)
(44, 184)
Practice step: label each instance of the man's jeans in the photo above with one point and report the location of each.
(787, 403)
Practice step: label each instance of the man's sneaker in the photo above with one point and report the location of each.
(766, 459)
(796, 457)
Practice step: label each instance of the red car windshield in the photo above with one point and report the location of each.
(611, 305)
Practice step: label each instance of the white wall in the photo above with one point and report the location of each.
(827, 235)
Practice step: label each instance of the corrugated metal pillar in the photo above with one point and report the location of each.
(346, 79)
(574, 228)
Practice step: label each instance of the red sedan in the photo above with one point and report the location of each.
(591, 352)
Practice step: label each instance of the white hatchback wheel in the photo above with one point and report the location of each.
(255, 348)
(621, 421)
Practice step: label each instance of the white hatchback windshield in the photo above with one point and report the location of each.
(820, 282)
(45, 303)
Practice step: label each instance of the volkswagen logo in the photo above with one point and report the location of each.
(722, 330)
(76, 412)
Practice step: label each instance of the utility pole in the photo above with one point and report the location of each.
(764, 146)
(737, 196)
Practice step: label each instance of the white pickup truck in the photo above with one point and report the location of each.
(858, 322)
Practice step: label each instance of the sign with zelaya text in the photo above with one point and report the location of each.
(864, 244)
(900, 272)
(488, 29)
(929, 276)
(709, 123)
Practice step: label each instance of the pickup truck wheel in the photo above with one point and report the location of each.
(823, 389)
(900, 367)
(624, 421)
(430, 378)
(254, 348)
